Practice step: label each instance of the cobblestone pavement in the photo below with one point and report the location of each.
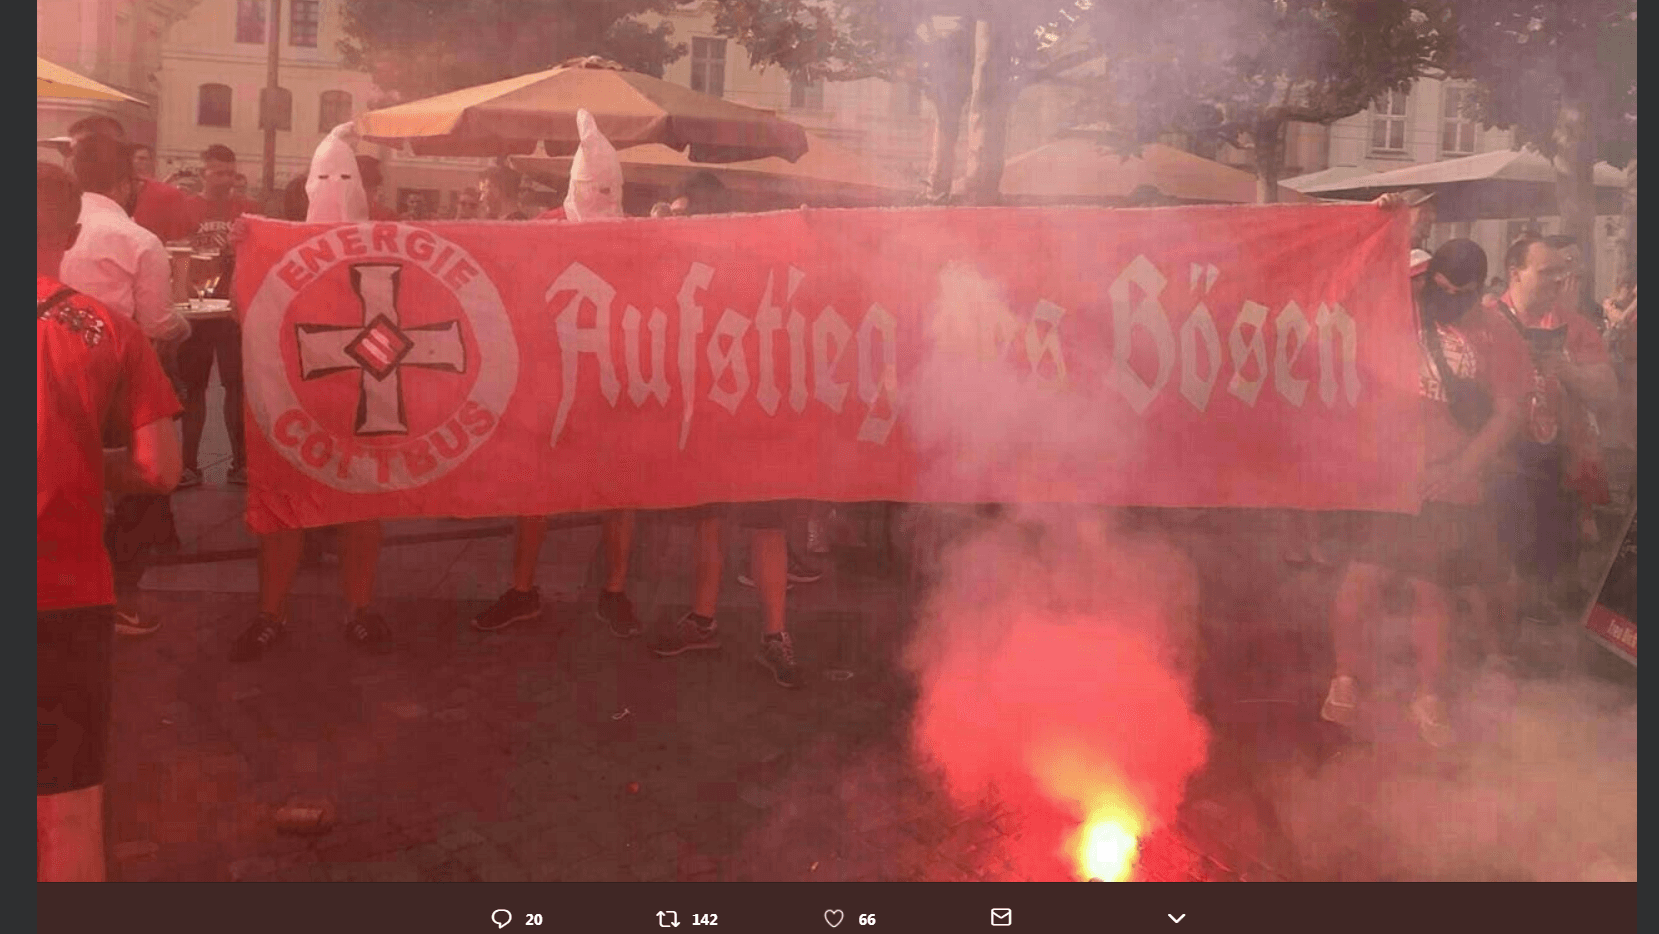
(553, 751)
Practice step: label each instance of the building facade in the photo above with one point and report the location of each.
(116, 42)
(213, 74)
(1428, 123)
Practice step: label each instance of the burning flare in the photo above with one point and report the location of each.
(1105, 846)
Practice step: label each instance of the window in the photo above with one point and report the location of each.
(333, 109)
(302, 22)
(1457, 125)
(1514, 229)
(213, 105)
(276, 108)
(1388, 123)
(806, 95)
(250, 21)
(708, 66)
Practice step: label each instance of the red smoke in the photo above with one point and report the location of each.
(1070, 706)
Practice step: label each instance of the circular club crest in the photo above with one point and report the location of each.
(396, 352)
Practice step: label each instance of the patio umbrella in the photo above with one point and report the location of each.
(1489, 186)
(57, 82)
(1081, 170)
(826, 176)
(510, 117)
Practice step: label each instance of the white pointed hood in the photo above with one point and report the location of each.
(595, 175)
(334, 186)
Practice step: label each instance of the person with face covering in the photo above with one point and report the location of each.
(595, 193)
(333, 194)
(1472, 378)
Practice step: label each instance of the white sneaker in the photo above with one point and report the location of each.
(129, 623)
(1430, 716)
(1341, 701)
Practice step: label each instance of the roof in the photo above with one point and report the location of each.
(1502, 165)
(1082, 170)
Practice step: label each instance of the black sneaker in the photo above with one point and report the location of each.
(616, 611)
(687, 635)
(777, 653)
(367, 629)
(257, 639)
(802, 573)
(514, 606)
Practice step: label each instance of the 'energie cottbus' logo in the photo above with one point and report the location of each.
(397, 357)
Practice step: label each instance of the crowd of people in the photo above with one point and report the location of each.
(1522, 391)
(1519, 392)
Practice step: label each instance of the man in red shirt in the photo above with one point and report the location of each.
(95, 375)
(214, 339)
(1469, 352)
(1571, 379)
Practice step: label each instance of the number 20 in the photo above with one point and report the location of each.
(532, 919)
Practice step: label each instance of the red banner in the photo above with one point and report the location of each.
(1206, 356)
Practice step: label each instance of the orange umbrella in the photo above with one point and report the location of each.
(1079, 170)
(826, 176)
(510, 117)
(59, 83)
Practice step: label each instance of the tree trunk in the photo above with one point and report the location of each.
(989, 102)
(1575, 192)
(1270, 158)
(948, 62)
(947, 129)
(1627, 264)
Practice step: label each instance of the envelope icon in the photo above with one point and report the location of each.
(1002, 917)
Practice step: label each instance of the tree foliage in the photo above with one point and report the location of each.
(1563, 76)
(965, 55)
(1240, 71)
(416, 48)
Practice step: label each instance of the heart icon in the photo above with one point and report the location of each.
(833, 917)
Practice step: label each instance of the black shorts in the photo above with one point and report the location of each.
(74, 658)
(1446, 544)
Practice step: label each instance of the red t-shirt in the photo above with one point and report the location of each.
(209, 221)
(1483, 347)
(551, 214)
(165, 211)
(1552, 415)
(94, 371)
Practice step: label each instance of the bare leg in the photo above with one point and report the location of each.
(69, 834)
(527, 542)
(1356, 601)
(1428, 630)
(705, 585)
(280, 554)
(619, 543)
(769, 565)
(359, 559)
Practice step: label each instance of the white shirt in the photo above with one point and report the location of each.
(124, 266)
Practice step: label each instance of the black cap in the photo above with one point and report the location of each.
(1461, 261)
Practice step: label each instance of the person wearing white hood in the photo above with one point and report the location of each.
(595, 192)
(335, 194)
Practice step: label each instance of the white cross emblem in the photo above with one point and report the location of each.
(379, 348)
